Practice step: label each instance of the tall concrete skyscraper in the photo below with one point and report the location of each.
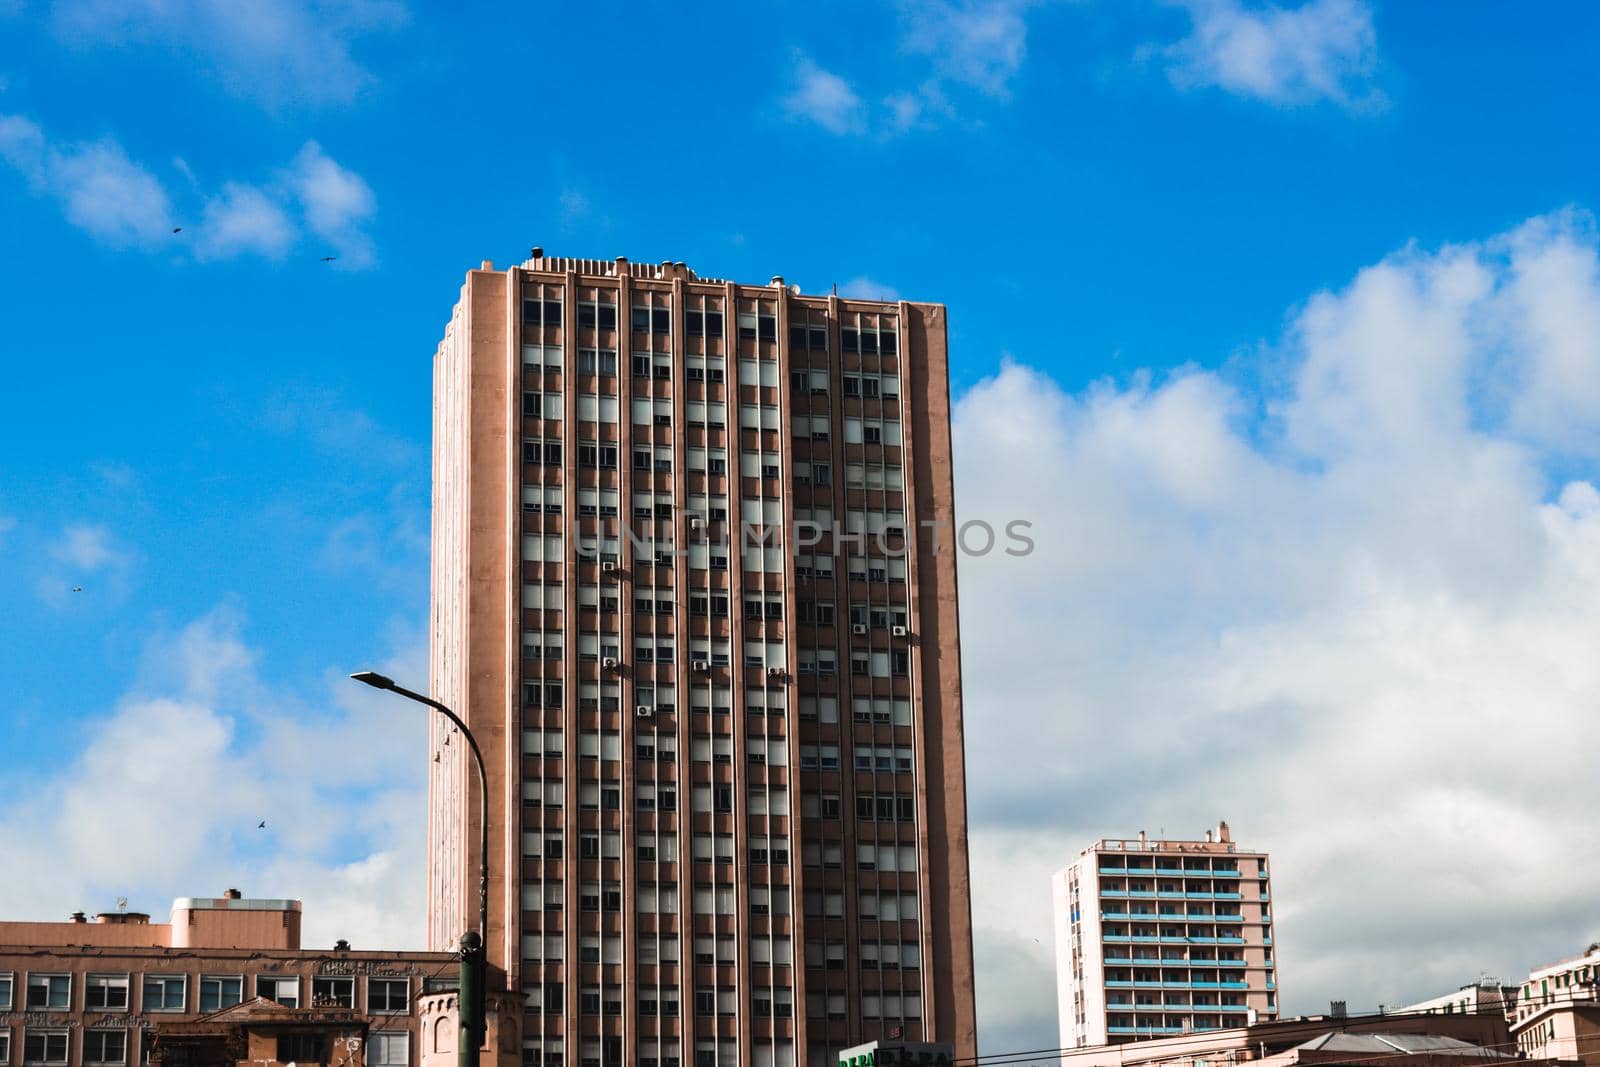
(684, 596)
(1160, 937)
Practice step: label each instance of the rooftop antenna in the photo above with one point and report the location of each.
(122, 904)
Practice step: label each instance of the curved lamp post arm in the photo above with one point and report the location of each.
(379, 681)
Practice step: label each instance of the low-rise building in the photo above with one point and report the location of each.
(1437, 1040)
(1558, 1010)
(226, 980)
(1484, 995)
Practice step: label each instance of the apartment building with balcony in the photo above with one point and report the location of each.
(680, 598)
(1557, 1014)
(1163, 937)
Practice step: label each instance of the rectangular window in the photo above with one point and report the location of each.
(220, 991)
(49, 992)
(333, 992)
(300, 1048)
(164, 992)
(105, 1046)
(390, 1050)
(44, 1046)
(285, 989)
(105, 992)
(390, 994)
(5, 996)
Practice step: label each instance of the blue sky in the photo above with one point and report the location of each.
(224, 440)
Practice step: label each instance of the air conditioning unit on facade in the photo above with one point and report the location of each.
(777, 672)
(610, 663)
(858, 628)
(900, 631)
(644, 711)
(607, 566)
(701, 666)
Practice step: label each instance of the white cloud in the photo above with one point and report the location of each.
(244, 219)
(826, 99)
(275, 51)
(100, 189)
(977, 43)
(85, 556)
(866, 289)
(340, 781)
(113, 199)
(1355, 617)
(337, 203)
(1321, 50)
(87, 548)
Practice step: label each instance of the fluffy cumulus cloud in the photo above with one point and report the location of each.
(974, 47)
(1353, 612)
(84, 560)
(120, 203)
(101, 190)
(824, 98)
(278, 52)
(1321, 50)
(977, 43)
(195, 756)
(337, 203)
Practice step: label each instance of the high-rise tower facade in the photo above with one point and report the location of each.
(694, 591)
(1161, 937)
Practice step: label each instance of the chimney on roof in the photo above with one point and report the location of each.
(79, 917)
(341, 945)
(777, 281)
(232, 894)
(536, 252)
(1208, 837)
(1141, 839)
(1223, 833)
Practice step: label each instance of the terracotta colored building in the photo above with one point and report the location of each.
(224, 981)
(1155, 938)
(684, 595)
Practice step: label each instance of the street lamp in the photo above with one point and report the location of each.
(474, 976)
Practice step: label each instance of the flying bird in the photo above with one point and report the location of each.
(262, 825)
(177, 229)
(77, 589)
(329, 259)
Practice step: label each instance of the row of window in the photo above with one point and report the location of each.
(646, 318)
(857, 431)
(170, 992)
(103, 1045)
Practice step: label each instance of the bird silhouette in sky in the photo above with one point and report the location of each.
(329, 259)
(262, 825)
(77, 589)
(177, 229)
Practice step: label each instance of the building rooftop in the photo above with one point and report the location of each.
(666, 270)
(1404, 1044)
(1218, 840)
